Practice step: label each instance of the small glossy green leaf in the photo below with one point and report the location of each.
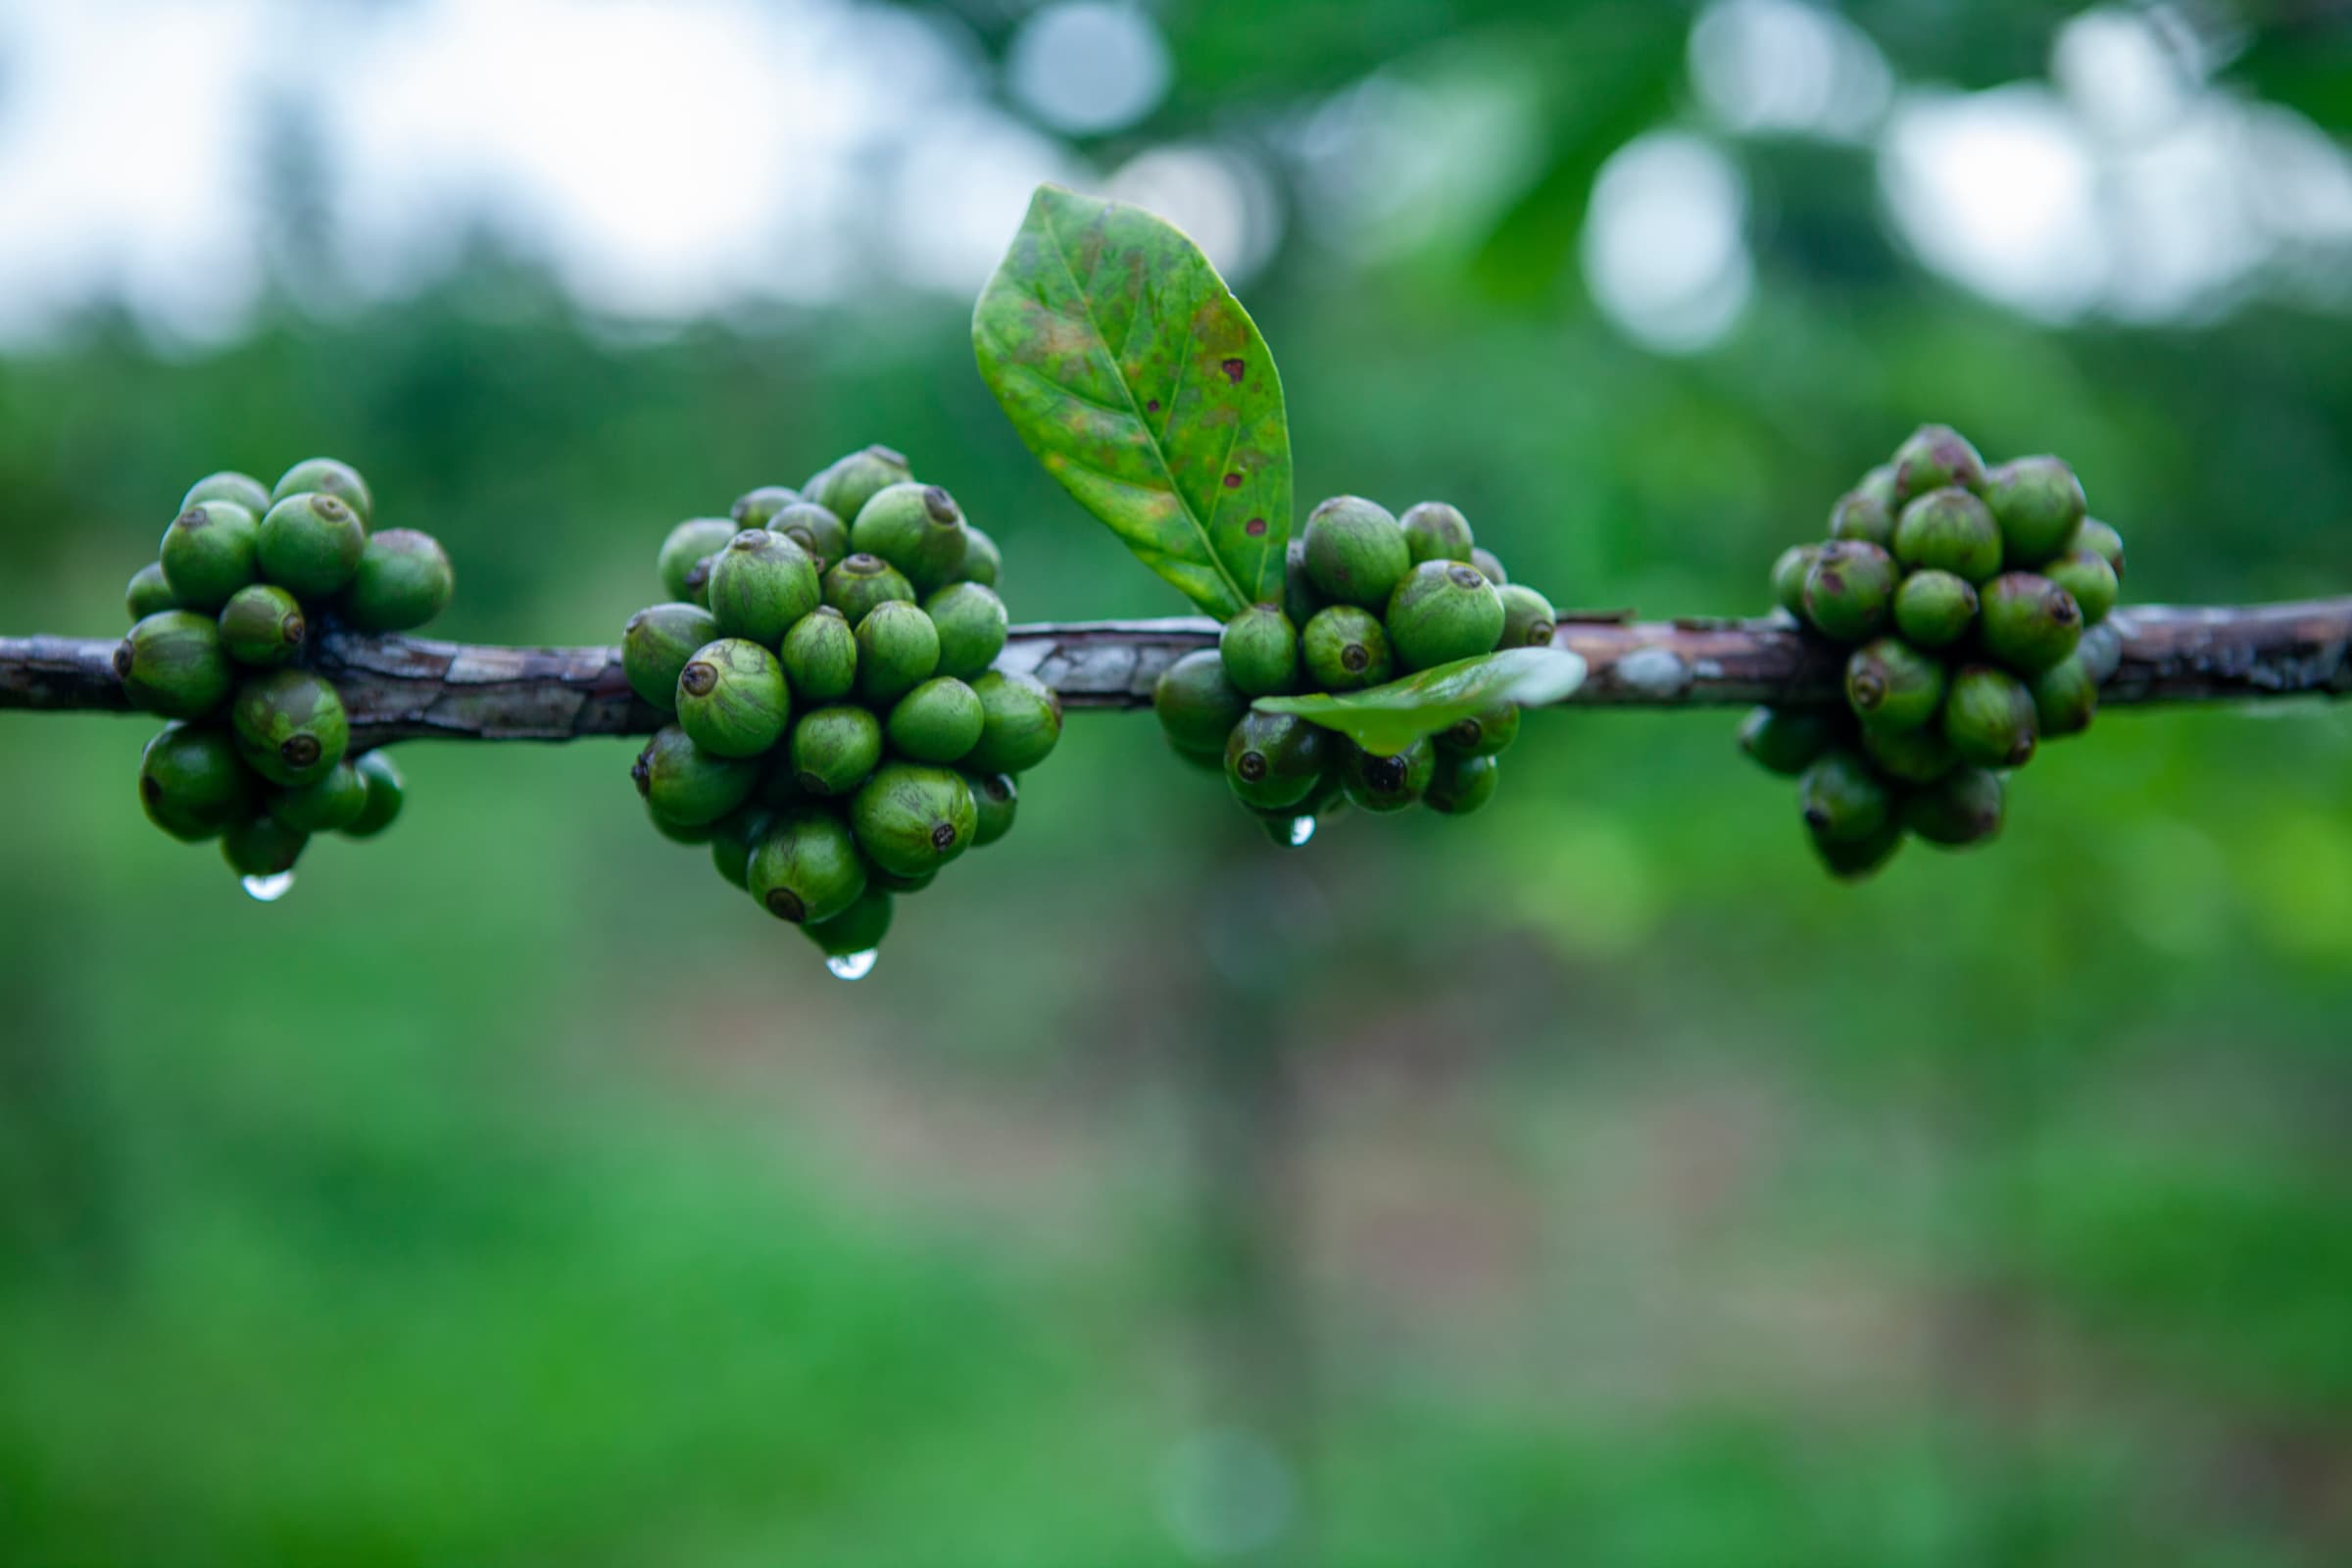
(1131, 370)
(1385, 719)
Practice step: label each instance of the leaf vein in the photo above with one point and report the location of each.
(1158, 450)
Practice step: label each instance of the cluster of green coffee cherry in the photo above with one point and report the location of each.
(1366, 598)
(225, 620)
(1976, 601)
(840, 733)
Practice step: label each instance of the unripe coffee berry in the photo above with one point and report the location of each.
(1355, 552)
(1346, 650)
(311, 543)
(1949, 530)
(1260, 649)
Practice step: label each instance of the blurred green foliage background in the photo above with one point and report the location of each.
(1589, 1181)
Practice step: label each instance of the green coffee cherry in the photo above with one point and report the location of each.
(1842, 799)
(820, 656)
(1990, 717)
(857, 584)
(734, 836)
(1444, 611)
(1275, 759)
(1892, 685)
(656, 645)
(1789, 574)
(2101, 652)
(1935, 456)
(939, 721)
(237, 489)
(898, 648)
(1198, 704)
(2065, 697)
(2039, 504)
(1355, 553)
(2101, 541)
(1435, 532)
(1866, 517)
(191, 784)
(983, 562)
(327, 478)
(760, 584)
(386, 791)
(1849, 589)
(1346, 650)
(2086, 576)
(1387, 783)
(918, 528)
(1460, 785)
(1879, 485)
(1301, 597)
(836, 748)
(732, 700)
(758, 508)
(1949, 530)
(687, 544)
(698, 583)
(1489, 565)
(327, 803)
(694, 835)
(2028, 622)
(825, 537)
(403, 582)
(892, 882)
(994, 800)
(172, 664)
(1935, 608)
(148, 593)
(311, 543)
(1260, 649)
(971, 623)
(690, 786)
(805, 868)
(1528, 620)
(859, 928)
(290, 727)
(262, 626)
(209, 553)
(1787, 740)
(257, 843)
(1488, 732)
(1920, 755)
(1964, 807)
(849, 484)
(911, 819)
(1021, 724)
(1862, 857)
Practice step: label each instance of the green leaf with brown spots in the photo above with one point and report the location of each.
(1141, 383)
(1385, 719)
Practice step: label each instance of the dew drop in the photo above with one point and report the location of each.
(267, 888)
(853, 966)
(1303, 828)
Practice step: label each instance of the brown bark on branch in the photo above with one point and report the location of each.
(407, 688)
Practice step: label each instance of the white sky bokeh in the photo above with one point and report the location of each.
(671, 159)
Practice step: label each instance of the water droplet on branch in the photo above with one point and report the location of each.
(267, 888)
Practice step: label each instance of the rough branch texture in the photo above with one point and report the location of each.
(402, 688)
